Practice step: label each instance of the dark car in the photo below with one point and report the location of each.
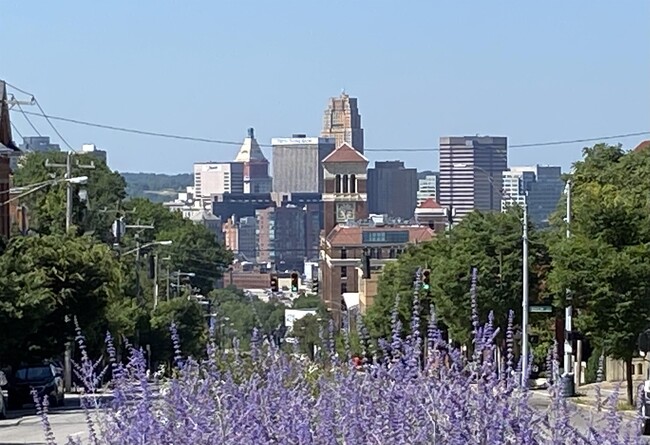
(46, 380)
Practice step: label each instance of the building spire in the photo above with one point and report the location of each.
(5, 124)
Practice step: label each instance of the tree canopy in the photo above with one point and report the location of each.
(49, 280)
(605, 264)
(105, 189)
(491, 242)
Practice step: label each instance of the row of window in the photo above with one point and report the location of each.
(377, 252)
(346, 184)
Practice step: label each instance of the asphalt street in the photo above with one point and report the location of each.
(24, 426)
(581, 417)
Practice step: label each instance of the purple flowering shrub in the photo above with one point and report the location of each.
(398, 395)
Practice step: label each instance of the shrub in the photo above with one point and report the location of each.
(397, 396)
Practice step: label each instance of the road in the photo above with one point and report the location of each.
(24, 427)
(581, 415)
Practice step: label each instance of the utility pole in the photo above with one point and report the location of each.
(524, 299)
(155, 281)
(68, 175)
(568, 312)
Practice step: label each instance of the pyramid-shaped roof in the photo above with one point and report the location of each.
(5, 125)
(345, 153)
(429, 203)
(250, 150)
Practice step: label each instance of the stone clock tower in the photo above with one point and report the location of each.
(344, 196)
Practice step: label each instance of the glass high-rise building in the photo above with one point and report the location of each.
(471, 173)
(544, 185)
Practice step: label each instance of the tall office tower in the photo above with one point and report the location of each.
(392, 189)
(471, 173)
(256, 167)
(342, 121)
(544, 186)
(429, 187)
(212, 179)
(297, 164)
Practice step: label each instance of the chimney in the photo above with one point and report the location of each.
(251, 133)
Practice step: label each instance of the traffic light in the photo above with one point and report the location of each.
(274, 283)
(151, 273)
(294, 282)
(314, 285)
(366, 266)
(426, 280)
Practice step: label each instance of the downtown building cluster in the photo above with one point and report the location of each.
(319, 210)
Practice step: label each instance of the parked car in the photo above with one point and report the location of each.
(46, 379)
(3, 402)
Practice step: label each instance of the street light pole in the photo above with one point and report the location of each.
(568, 311)
(524, 299)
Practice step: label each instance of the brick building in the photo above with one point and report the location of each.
(7, 149)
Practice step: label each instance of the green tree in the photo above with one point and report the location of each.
(605, 264)
(490, 242)
(194, 248)
(105, 189)
(48, 280)
(307, 331)
(191, 324)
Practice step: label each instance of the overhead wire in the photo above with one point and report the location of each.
(394, 149)
(42, 114)
(49, 118)
(17, 130)
(31, 124)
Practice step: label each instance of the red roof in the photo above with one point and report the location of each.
(642, 146)
(429, 203)
(345, 153)
(342, 236)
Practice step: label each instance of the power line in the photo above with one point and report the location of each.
(42, 114)
(237, 143)
(16, 130)
(52, 125)
(28, 119)
(406, 149)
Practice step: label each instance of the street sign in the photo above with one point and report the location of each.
(541, 309)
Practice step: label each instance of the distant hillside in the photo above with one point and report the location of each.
(156, 186)
(424, 174)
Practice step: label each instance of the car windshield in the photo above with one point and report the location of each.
(34, 374)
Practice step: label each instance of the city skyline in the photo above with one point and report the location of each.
(414, 84)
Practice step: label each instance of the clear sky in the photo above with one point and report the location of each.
(530, 70)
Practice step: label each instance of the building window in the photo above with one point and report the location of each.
(378, 253)
(392, 253)
(338, 183)
(344, 288)
(344, 254)
(353, 184)
(345, 183)
(344, 272)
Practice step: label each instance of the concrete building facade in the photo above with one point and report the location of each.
(212, 179)
(297, 164)
(429, 187)
(342, 121)
(38, 144)
(471, 173)
(255, 166)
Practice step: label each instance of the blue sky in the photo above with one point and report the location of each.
(533, 71)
